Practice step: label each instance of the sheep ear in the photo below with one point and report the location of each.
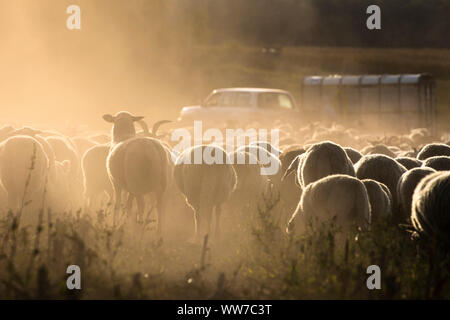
(108, 118)
(137, 118)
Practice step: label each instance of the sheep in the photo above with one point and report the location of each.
(341, 196)
(353, 154)
(409, 162)
(82, 145)
(64, 150)
(123, 126)
(3, 198)
(321, 160)
(5, 131)
(58, 186)
(288, 156)
(382, 169)
(24, 131)
(28, 131)
(251, 185)
(419, 136)
(380, 199)
(405, 188)
(100, 138)
(290, 188)
(433, 149)
(205, 186)
(379, 149)
(140, 166)
(137, 165)
(430, 207)
(438, 163)
(269, 162)
(154, 132)
(17, 154)
(267, 146)
(95, 175)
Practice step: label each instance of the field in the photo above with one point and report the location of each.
(253, 258)
(79, 92)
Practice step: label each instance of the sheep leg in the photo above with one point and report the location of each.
(130, 204)
(208, 214)
(218, 212)
(141, 207)
(118, 198)
(13, 202)
(196, 222)
(160, 207)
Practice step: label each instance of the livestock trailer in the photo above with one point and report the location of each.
(392, 102)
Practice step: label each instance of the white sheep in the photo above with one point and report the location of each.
(432, 150)
(353, 154)
(405, 188)
(336, 196)
(438, 163)
(137, 165)
(58, 187)
(65, 150)
(379, 149)
(382, 169)
(82, 145)
(5, 131)
(140, 166)
(267, 146)
(206, 186)
(409, 162)
(321, 160)
(380, 199)
(3, 198)
(270, 165)
(22, 157)
(430, 207)
(251, 186)
(290, 189)
(95, 175)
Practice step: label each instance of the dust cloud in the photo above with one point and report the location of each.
(124, 57)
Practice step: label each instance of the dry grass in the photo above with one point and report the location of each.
(255, 260)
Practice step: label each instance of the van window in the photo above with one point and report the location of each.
(274, 100)
(228, 99)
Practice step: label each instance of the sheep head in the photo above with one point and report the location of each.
(123, 125)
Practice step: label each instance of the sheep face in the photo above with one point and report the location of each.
(123, 125)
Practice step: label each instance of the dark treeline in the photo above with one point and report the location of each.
(411, 23)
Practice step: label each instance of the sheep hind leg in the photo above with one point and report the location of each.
(161, 208)
(218, 210)
(117, 198)
(140, 209)
(129, 209)
(196, 223)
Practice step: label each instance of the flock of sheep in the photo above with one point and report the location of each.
(357, 179)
